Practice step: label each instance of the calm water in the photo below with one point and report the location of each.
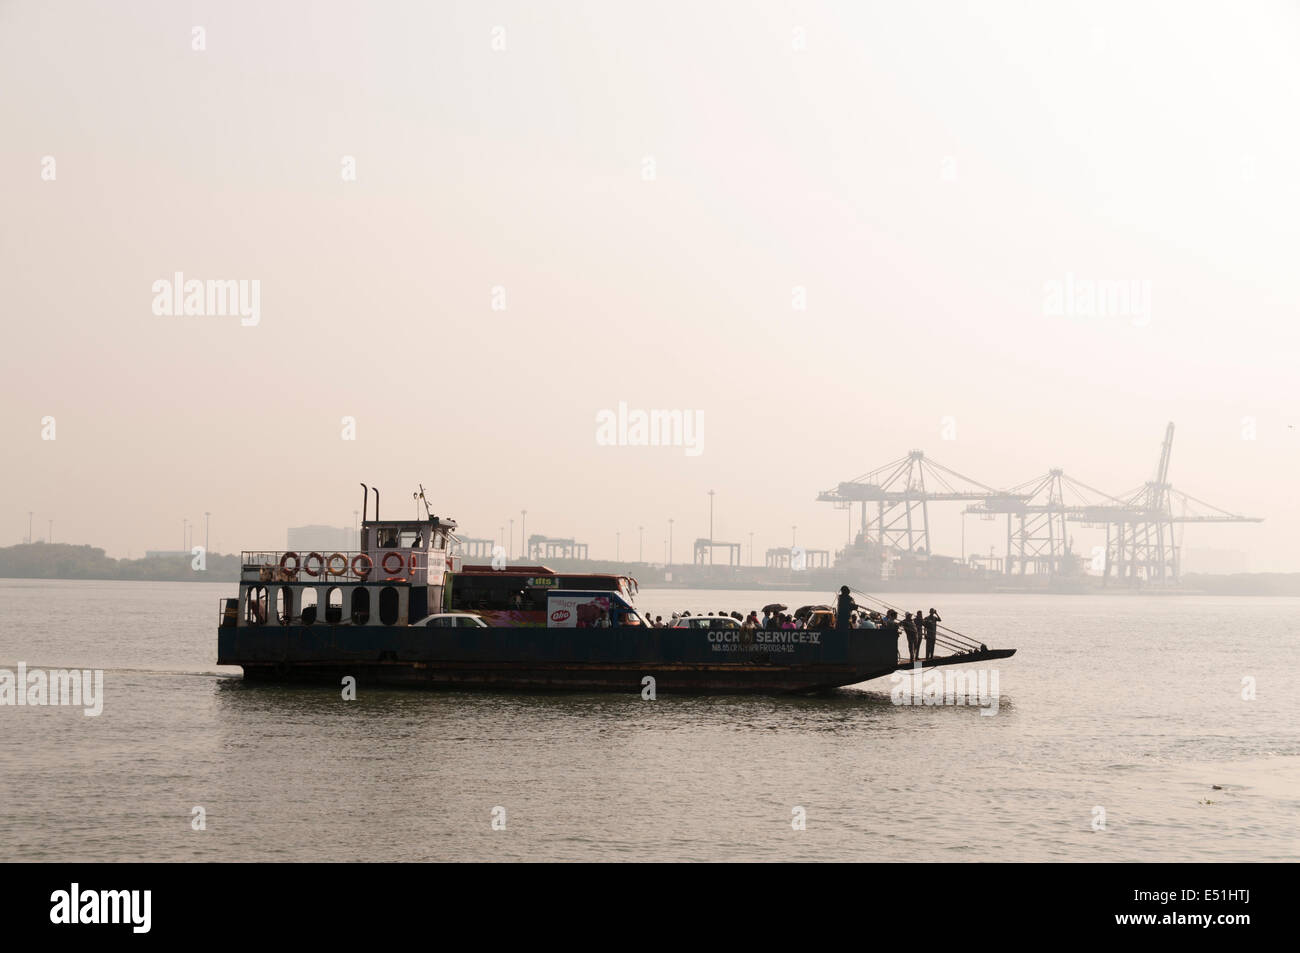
(1132, 704)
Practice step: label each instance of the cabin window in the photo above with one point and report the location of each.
(334, 605)
(284, 604)
(388, 605)
(308, 605)
(497, 592)
(411, 539)
(605, 583)
(360, 606)
(387, 538)
(255, 606)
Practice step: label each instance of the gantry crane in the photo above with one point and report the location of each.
(901, 496)
(1140, 544)
(1140, 541)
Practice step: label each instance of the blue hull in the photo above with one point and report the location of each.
(618, 659)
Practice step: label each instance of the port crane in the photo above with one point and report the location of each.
(1141, 542)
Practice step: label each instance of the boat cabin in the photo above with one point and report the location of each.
(398, 574)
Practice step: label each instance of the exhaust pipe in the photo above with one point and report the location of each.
(376, 489)
(365, 501)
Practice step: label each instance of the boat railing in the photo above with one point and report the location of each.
(341, 565)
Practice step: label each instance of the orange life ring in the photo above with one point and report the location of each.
(329, 564)
(398, 557)
(369, 566)
(292, 573)
(412, 564)
(306, 564)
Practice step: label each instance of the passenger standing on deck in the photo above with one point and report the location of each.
(844, 609)
(890, 626)
(931, 632)
(909, 629)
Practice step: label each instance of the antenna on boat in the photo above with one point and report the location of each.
(419, 498)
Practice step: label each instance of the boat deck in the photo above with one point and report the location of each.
(980, 655)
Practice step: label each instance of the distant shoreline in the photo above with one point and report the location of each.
(67, 561)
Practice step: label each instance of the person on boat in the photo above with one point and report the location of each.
(866, 622)
(890, 625)
(844, 609)
(931, 631)
(909, 629)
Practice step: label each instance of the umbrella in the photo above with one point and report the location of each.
(804, 611)
(775, 607)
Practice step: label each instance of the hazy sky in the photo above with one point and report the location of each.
(648, 183)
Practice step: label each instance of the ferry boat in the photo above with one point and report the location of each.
(405, 610)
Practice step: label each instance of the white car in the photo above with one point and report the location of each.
(706, 622)
(456, 620)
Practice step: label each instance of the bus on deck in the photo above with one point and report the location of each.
(517, 595)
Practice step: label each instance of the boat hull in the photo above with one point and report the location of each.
(682, 661)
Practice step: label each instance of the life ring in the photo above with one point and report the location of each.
(362, 574)
(412, 564)
(343, 564)
(291, 573)
(320, 564)
(388, 556)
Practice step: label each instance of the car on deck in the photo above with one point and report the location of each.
(456, 620)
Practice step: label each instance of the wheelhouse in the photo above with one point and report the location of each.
(398, 574)
(404, 572)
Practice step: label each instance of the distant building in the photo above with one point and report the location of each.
(325, 539)
(1217, 561)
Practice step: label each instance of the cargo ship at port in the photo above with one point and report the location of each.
(404, 610)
